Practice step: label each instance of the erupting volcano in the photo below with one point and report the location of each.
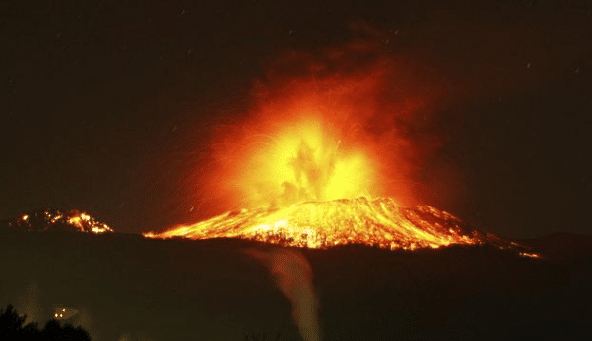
(330, 157)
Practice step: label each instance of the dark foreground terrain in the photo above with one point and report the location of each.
(128, 288)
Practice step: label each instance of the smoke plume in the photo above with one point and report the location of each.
(29, 303)
(293, 276)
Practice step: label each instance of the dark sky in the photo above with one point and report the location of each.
(109, 106)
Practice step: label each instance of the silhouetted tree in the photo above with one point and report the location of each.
(11, 328)
(54, 331)
(31, 331)
(11, 323)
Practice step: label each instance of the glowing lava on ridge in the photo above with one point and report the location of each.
(378, 222)
(56, 220)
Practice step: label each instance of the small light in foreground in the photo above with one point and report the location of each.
(65, 313)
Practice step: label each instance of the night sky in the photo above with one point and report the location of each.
(110, 106)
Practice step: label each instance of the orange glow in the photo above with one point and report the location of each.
(76, 221)
(85, 223)
(304, 163)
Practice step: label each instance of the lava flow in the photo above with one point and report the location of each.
(374, 222)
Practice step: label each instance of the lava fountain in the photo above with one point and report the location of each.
(328, 153)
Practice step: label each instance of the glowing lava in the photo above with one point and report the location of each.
(379, 222)
(53, 220)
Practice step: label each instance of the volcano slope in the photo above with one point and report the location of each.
(128, 287)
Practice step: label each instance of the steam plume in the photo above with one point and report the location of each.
(28, 303)
(293, 276)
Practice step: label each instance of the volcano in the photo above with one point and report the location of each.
(378, 222)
